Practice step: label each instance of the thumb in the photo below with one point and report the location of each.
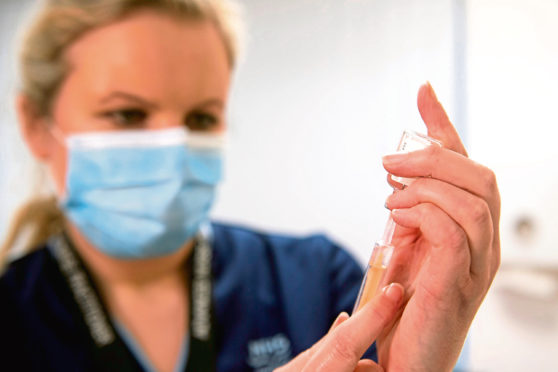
(367, 365)
(342, 348)
(437, 122)
(298, 363)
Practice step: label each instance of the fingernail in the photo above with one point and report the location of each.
(394, 292)
(340, 319)
(389, 200)
(392, 159)
(431, 90)
(342, 314)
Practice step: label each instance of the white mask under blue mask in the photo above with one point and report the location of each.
(140, 194)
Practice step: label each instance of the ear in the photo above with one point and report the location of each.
(34, 128)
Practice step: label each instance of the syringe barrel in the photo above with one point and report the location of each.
(374, 275)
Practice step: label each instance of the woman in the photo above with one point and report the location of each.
(123, 101)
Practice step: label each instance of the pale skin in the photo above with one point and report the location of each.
(448, 241)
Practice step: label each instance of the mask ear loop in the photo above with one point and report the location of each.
(57, 134)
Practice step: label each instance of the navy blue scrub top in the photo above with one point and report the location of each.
(274, 297)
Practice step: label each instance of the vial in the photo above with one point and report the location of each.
(413, 141)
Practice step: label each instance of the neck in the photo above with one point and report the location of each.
(112, 272)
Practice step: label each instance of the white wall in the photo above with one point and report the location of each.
(326, 89)
(15, 163)
(513, 94)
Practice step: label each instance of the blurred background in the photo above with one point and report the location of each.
(326, 88)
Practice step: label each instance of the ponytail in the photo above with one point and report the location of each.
(33, 224)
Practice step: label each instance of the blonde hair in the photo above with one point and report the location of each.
(43, 68)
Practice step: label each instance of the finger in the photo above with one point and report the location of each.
(448, 166)
(394, 184)
(367, 365)
(343, 348)
(469, 211)
(457, 170)
(437, 122)
(450, 258)
(340, 319)
(298, 363)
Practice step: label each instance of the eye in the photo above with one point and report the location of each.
(201, 121)
(127, 117)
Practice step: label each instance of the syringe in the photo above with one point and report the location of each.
(383, 249)
(377, 265)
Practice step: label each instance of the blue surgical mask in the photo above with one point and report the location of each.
(140, 194)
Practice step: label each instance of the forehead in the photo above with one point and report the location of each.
(151, 50)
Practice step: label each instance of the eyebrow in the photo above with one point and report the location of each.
(129, 97)
(145, 102)
(211, 102)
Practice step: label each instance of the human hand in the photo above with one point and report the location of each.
(447, 246)
(347, 340)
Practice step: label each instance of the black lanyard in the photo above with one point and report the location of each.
(110, 352)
